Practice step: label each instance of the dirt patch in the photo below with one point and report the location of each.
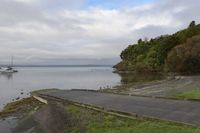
(51, 118)
(64, 118)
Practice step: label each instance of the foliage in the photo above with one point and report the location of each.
(152, 55)
(185, 58)
(192, 24)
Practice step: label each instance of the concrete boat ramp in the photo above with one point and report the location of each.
(187, 112)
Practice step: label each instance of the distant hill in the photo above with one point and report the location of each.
(179, 52)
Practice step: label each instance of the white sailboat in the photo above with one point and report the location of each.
(8, 69)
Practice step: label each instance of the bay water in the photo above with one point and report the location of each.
(19, 85)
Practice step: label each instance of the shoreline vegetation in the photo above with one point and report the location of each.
(176, 53)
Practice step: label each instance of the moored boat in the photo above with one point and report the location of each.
(8, 70)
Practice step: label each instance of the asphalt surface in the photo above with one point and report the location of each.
(167, 87)
(174, 110)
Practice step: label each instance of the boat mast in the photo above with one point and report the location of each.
(11, 61)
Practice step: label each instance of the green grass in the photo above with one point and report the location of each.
(16, 107)
(91, 121)
(12, 107)
(113, 124)
(75, 130)
(194, 94)
(72, 109)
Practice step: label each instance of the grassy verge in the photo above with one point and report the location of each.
(194, 94)
(96, 122)
(116, 125)
(20, 106)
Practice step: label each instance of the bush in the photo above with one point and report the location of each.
(185, 58)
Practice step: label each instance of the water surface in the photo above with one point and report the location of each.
(34, 78)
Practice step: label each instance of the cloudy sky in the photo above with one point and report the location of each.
(85, 31)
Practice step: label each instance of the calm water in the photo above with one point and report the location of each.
(33, 78)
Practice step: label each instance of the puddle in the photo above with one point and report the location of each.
(8, 124)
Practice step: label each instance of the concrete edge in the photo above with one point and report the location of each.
(41, 99)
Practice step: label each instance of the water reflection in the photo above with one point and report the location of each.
(7, 75)
(7, 125)
(132, 78)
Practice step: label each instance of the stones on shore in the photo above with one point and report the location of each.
(22, 92)
(17, 98)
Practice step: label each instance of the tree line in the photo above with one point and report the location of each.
(179, 52)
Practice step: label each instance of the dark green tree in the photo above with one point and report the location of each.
(192, 24)
(139, 41)
(155, 54)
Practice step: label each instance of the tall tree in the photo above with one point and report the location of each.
(192, 24)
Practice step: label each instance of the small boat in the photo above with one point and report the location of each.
(8, 69)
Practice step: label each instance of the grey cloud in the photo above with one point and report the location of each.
(61, 31)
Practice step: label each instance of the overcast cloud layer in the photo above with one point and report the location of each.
(78, 32)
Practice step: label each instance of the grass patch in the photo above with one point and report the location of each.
(113, 124)
(20, 106)
(72, 109)
(90, 121)
(75, 130)
(194, 94)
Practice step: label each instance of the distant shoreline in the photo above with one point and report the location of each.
(59, 65)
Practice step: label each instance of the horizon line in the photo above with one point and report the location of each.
(61, 65)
